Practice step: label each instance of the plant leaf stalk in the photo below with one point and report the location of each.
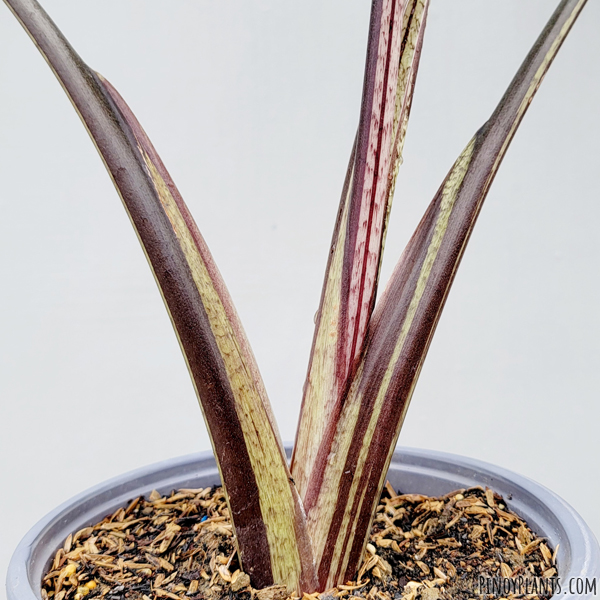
(394, 47)
(266, 511)
(403, 323)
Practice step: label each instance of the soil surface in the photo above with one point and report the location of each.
(464, 545)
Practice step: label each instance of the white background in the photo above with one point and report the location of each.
(253, 105)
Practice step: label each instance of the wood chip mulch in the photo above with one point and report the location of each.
(181, 547)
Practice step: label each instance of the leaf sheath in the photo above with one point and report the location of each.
(395, 39)
(405, 319)
(267, 514)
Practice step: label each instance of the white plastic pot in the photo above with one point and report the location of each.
(411, 471)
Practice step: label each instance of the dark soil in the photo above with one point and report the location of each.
(460, 546)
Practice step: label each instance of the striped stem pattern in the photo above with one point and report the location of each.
(404, 321)
(395, 40)
(267, 513)
(365, 360)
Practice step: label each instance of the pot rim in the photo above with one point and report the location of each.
(544, 511)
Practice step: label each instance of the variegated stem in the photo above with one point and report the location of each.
(404, 321)
(267, 514)
(396, 36)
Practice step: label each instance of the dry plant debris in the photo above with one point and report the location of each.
(181, 547)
